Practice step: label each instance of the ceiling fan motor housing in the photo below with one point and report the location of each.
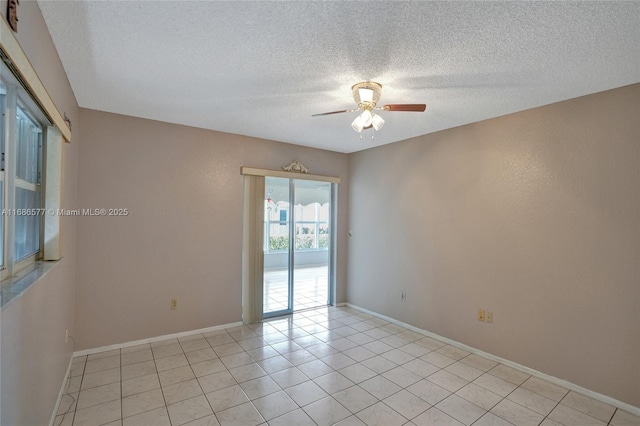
(366, 94)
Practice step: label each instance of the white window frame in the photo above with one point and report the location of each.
(17, 97)
(18, 72)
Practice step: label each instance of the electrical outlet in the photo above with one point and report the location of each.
(481, 315)
(174, 304)
(66, 335)
(403, 296)
(489, 317)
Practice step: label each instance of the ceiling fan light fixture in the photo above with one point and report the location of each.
(366, 118)
(377, 122)
(357, 124)
(366, 95)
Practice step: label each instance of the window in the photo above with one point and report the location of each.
(21, 197)
(311, 227)
(32, 135)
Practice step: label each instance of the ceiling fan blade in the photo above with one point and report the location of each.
(405, 107)
(333, 112)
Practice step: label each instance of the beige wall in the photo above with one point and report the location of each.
(533, 216)
(183, 236)
(33, 353)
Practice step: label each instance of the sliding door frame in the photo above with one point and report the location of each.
(253, 241)
(291, 255)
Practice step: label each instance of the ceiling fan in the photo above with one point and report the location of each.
(367, 94)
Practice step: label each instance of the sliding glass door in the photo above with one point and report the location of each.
(297, 244)
(277, 294)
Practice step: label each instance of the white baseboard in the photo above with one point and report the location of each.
(155, 339)
(60, 394)
(560, 382)
(126, 345)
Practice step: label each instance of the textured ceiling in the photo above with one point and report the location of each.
(262, 68)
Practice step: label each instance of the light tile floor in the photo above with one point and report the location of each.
(318, 367)
(311, 288)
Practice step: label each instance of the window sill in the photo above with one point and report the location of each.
(13, 287)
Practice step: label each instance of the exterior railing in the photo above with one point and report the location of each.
(310, 235)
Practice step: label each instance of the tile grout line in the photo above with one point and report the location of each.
(454, 393)
(288, 332)
(196, 378)
(75, 410)
(198, 381)
(166, 407)
(554, 380)
(612, 416)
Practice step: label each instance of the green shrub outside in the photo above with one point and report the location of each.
(281, 243)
